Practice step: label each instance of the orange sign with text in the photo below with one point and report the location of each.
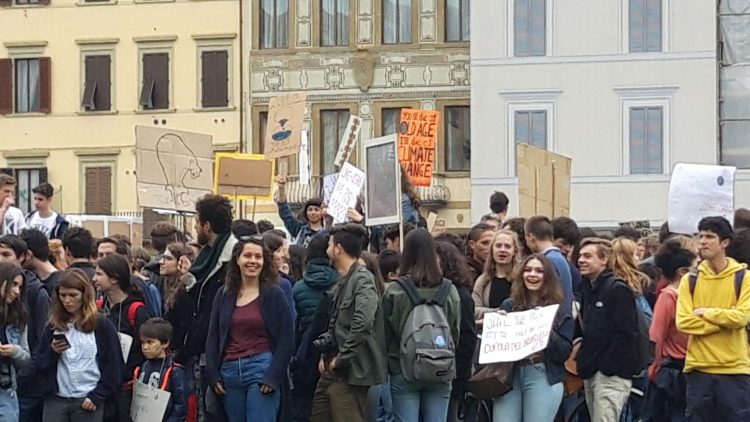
(417, 137)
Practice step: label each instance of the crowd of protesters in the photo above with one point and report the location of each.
(347, 322)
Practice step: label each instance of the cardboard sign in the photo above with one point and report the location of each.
(329, 182)
(383, 189)
(286, 115)
(126, 342)
(348, 141)
(417, 138)
(243, 176)
(173, 168)
(697, 191)
(435, 224)
(344, 196)
(515, 335)
(543, 182)
(149, 403)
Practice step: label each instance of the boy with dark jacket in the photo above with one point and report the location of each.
(159, 370)
(607, 360)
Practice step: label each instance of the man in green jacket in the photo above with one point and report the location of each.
(358, 360)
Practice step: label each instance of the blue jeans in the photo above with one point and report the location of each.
(414, 400)
(243, 400)
(531, 399)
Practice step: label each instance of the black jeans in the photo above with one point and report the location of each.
(713, 397)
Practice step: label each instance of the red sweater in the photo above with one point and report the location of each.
(670, 342)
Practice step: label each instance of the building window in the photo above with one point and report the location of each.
(333, 125)
(529, 28)
(97, 95)
(155, 88)
(274, 23)
(334, 23)
(27, 179)
(262, 127)
(457, 138)
(214, 78)
(390, 120)
(98, 185)
(646, 136)
(457, 20)
(644, 25)
(531, 128)
(28, 95)
(397, 21)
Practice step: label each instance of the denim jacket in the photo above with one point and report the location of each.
(21, 355)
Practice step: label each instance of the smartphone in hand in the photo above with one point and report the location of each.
(60, 337)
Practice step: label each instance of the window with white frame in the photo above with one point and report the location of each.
(529, 28)
(644, 26)
(646, 139)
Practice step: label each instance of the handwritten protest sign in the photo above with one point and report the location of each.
(697, 191)
(149, 403)
(286, 115)
(348, 140)
(416, 144)
(329, 182)
(344, 196)
(513, 336)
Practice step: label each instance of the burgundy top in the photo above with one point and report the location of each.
(247, 332)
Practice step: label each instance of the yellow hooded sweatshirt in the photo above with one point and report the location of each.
(718, 340)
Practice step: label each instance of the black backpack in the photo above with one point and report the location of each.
(739, 277)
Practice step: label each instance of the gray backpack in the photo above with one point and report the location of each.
(428, 352)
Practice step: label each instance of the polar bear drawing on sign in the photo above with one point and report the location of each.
(178, 162)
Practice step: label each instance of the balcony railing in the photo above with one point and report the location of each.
(435, 196)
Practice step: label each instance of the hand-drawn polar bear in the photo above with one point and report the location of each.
(177, 162)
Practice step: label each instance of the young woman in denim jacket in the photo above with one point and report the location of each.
(537, 378)
(14, 349)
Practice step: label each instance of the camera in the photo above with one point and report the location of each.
(325, 343)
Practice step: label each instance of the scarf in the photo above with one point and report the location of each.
(208, 257)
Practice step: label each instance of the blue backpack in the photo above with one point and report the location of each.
(151, 296)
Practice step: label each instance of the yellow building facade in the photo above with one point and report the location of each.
(77, 76)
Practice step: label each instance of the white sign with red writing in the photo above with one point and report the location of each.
(344, 196)
(513, 336)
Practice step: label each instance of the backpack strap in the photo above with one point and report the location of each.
(441, 296)
(167, 376)
(692, 281)
(739, 276)
(132, 311)
(410, 289)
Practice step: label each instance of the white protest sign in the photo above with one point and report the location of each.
(125, 342)
(515, 335)
(329, 182)
(344, 196)
(348, 140)
(697, 191)
(149, 403)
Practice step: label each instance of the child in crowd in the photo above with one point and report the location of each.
(159, 370)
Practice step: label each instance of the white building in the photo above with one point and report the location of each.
(627, 88)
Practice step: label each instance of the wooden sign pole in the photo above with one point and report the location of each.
(255, 201)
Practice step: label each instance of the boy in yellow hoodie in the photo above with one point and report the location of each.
(715, 317)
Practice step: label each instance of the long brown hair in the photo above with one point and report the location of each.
(12, 313)
(172, 285)
(59, 318)
(550, 293)
(408, 189)
(371, 262)
(268, 274)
